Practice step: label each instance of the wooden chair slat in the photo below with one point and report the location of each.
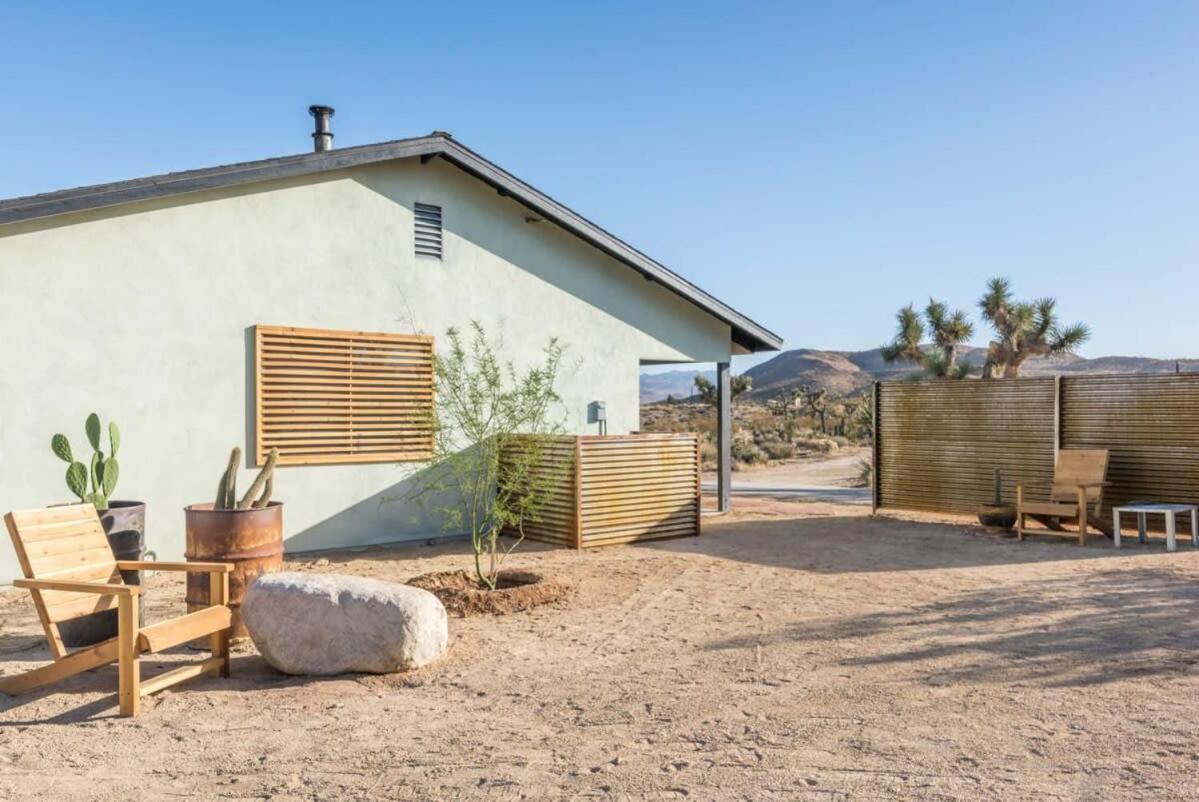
(68, 544)
(1078, 476)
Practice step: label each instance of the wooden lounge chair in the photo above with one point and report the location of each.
(1079, 475)
(70, 571)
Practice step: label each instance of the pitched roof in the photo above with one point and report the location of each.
(746, 332)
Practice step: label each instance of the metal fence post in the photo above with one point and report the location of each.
(876, 468)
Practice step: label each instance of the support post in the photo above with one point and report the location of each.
(218, 593)
(1057, 416)
(129, 691)
(874, 451)
(724, 438)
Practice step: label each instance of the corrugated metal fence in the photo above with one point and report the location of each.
(938, 442)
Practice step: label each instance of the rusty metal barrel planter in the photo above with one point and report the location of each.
(252, 540)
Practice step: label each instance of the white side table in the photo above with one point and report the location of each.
(1168, 511)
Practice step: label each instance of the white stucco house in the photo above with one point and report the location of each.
(139, 300)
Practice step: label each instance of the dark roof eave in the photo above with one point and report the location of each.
(745, 332)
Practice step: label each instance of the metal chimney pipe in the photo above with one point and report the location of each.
(322, 137)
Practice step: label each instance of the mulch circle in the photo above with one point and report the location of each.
(517, 591)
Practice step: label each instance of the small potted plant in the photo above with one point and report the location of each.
(997, 516)
(124, 522)
(247, 532)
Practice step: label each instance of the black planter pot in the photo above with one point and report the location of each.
(997, 517)
(125, 524)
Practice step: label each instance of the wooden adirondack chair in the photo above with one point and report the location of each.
(71, 572)
(1079, 475)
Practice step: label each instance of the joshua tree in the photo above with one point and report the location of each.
(1023, 329)
(948, 331)
(817, 403)
(706, 390)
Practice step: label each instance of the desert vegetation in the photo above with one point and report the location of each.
(795, 423)
(492, 425)
(933, 339)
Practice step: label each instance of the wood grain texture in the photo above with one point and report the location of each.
(327, 397)
(938, 441)
(621, 489)
(70, 571)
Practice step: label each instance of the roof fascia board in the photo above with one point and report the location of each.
(605, 241)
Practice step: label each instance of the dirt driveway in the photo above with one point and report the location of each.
(795, 651)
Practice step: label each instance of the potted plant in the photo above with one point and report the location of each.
(997, 516)
(124, 522)
(247, 533)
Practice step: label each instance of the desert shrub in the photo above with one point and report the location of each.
(817, 445)
(492, 426)
(747, 452)
(707, 455)
(865, 474)
(776, 449)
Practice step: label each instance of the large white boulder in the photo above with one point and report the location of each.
(333, 624)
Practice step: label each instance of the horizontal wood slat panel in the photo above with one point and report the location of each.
(620, 489)
(938, 441)
(1150, 424)
(327, 397)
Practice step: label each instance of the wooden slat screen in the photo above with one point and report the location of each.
(638, 487)
(327, 397)
(622, 489)
(1151, 426)
(938, 441)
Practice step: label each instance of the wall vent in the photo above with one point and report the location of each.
(428, 230)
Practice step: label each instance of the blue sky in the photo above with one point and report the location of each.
(815, 165)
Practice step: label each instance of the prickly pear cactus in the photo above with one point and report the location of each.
(61, 447)
(104, 471)
(77, 480)
(92, 427)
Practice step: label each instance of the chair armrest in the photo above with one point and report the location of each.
(150, 565)
(99, 588)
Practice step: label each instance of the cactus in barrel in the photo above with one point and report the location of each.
(997, 478)
(103, 471)
(259, 494)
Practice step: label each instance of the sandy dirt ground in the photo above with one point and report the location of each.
(842, 468)
(794, 651)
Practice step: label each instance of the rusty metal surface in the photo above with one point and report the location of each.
(251, 540)
(1151, 426)
(938, 441)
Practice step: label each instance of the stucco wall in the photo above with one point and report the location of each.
(142, 314)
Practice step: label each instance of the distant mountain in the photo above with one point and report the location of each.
(677, 383)
(849, 372)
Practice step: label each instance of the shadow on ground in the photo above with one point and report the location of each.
(1075, 630)
(851, 544)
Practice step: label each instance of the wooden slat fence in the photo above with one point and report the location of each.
(622, 489)
(937, 442)
(325, 396)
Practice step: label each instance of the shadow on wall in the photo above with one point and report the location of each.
(393, 515)
(500, 226)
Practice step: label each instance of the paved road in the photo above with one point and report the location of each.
(843, 495)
